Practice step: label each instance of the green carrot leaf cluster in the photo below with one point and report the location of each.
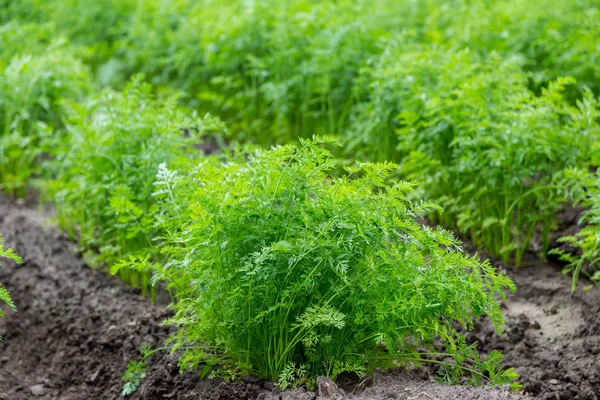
(102, 178)
(290, 270)
(5, 298)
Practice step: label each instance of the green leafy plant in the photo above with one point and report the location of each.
(554, 39)
(290, 271)
(25, 38)
(469, 96)
(276, 71)
(103, 173)
(136, 372)
(30, 89)
(464, 86)
(586, 243)
(4, 295)
(488, 150)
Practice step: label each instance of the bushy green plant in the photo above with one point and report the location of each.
(20, 10)
(290, 271)
(275, 69)
(286, 69)
(281, 69)
(469, 95)
(86, 22)
(4, 295)
(488, 150)
(30, 89)
(103, 173)
(296, 59)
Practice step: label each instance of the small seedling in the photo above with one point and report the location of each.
(136, 372)
(4, 295)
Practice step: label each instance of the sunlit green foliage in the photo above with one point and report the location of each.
(4, 295)
(104, 169)
(30, 89)
(280, 69)
(24, 38)
(276, 70)
(587, 240)
(489, 104)
(553, 38)
(454, 83)
(485, 147)
(290, 271)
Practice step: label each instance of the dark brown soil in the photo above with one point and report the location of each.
(77, 329)
(552, 338)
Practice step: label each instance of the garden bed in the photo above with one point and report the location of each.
(552, 338)
(76, 330)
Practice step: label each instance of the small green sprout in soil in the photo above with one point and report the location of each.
(4, 295)
(136, 372)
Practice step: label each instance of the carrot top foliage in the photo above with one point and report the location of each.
(31, 86)
(284, 264)
(102, 178)
(470, 77)
(4, 295)
(291, 271)
(488, 150)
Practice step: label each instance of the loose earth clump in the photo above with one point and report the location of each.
(76, 330)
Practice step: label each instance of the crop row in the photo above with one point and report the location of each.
(283, 265)
(288, 263)
(474, 103)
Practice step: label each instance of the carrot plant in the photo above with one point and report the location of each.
(30, 89)
(470, 96)
(283, 69)
(4, 295)
(294, 62)
(290, 271)
(275, 69)
(102, 177)
(24, 38)
(136, 371)
(488, 150)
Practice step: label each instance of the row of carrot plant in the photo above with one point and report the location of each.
(279, 264)
(472, 98)
(492, 107)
